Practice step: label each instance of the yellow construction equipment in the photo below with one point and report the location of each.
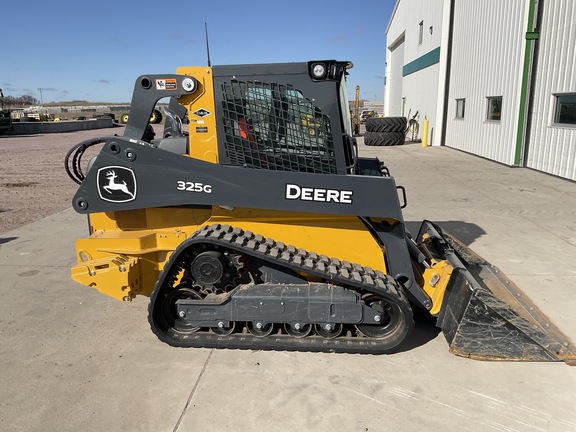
(260, 227)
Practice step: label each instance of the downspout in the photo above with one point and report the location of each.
(528, 75)
(446, 99)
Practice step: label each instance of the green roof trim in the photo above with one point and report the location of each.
(422, 62)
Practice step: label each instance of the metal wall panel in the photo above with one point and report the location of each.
(406, 19)
(417, 91)
(552, 148)
(487, 59)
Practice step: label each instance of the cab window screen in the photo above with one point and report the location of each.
(273, 126)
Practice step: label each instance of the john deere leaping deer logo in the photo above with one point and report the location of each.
(116, 184)
(113, 186)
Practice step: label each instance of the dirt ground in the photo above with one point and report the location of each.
(33, 181)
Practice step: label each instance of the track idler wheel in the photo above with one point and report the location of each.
(298, 330)
(391, 318)
(167, 310)
(329, 330)
(260, 329)
(224, 330)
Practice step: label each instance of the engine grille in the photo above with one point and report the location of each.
(273, 126)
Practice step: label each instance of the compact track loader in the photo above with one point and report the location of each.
(260, 227)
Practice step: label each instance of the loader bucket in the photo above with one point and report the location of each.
(485, 316)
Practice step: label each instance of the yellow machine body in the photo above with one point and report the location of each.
(160, 231)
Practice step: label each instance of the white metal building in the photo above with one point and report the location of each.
(494, 78)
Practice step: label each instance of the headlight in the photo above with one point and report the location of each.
(318, 70)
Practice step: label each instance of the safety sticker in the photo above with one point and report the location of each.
(166, 84)
(201, 112)
(202, 129)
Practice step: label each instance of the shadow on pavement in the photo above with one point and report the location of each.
(6, 239)
(466, 232)
(424, 330)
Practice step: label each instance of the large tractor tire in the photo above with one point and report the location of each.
(384, 138)
(156, 117)
(386, 124)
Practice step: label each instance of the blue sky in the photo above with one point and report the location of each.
(76, 50)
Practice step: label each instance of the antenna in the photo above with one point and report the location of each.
(207, 46)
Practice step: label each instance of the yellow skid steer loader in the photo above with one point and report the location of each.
(258, 226)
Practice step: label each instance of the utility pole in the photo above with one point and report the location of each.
(41, 100)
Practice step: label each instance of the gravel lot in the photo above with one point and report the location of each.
(33, 181)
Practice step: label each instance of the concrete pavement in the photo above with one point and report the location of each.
(72, 359)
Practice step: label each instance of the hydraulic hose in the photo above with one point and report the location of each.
(74, 168)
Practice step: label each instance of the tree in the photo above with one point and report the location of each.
(21, 100)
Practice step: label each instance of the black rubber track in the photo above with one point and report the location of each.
(386, 124)
(350, 276)
(382, 139)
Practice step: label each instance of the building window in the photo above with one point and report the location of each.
(494, 111)
(460, 105)
(565, 112)
(421, 34)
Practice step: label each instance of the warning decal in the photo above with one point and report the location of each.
(166, 84)
(201, 112)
